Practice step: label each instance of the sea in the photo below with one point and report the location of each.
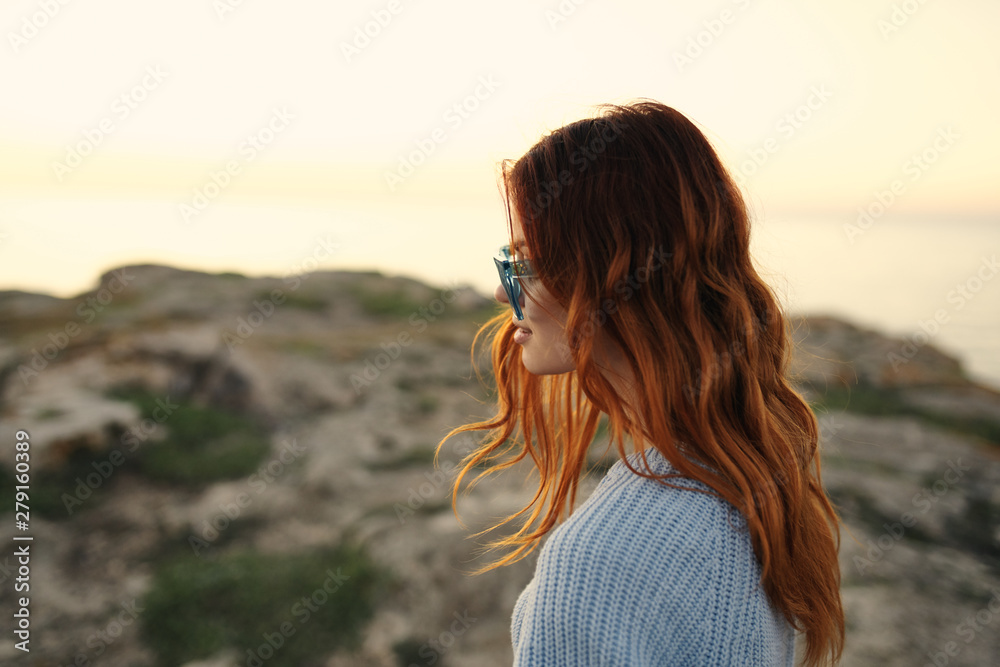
(932, 279)
(905, 276)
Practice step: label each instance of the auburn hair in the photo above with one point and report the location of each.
(635, 227)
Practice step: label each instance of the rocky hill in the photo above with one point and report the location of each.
(239, 471)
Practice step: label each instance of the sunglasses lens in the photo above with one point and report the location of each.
(511, 285)
(513, 288)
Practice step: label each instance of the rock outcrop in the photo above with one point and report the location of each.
(353, 379)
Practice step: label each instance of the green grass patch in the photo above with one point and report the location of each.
(393, 302)
(47, 414)
(287, 609)
(301, 300)
(890, 402)
(306, 302)
(417, 456)
(410, 651)
(202, 444)
(409, 383)
(57, 493)
(861, 465)
(308, 348)
(862, 399)
(426, 404)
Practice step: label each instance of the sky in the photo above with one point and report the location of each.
(243, 135)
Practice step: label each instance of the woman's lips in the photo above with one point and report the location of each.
(521, 335)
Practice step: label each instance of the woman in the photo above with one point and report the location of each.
(711, 541)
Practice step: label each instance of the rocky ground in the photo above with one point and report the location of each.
(350, 380)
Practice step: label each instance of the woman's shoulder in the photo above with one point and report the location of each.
(676, 536)
(646, 573)
(630, 506)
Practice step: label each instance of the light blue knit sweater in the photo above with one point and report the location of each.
(644, 574)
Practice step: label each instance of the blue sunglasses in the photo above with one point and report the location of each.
(511, 271)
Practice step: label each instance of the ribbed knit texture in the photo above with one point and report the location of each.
(644, 574)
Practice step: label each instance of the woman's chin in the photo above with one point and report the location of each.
(544, 366)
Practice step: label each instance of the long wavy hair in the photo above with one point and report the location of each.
(635, 227)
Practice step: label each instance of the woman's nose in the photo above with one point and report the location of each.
(500, 294)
